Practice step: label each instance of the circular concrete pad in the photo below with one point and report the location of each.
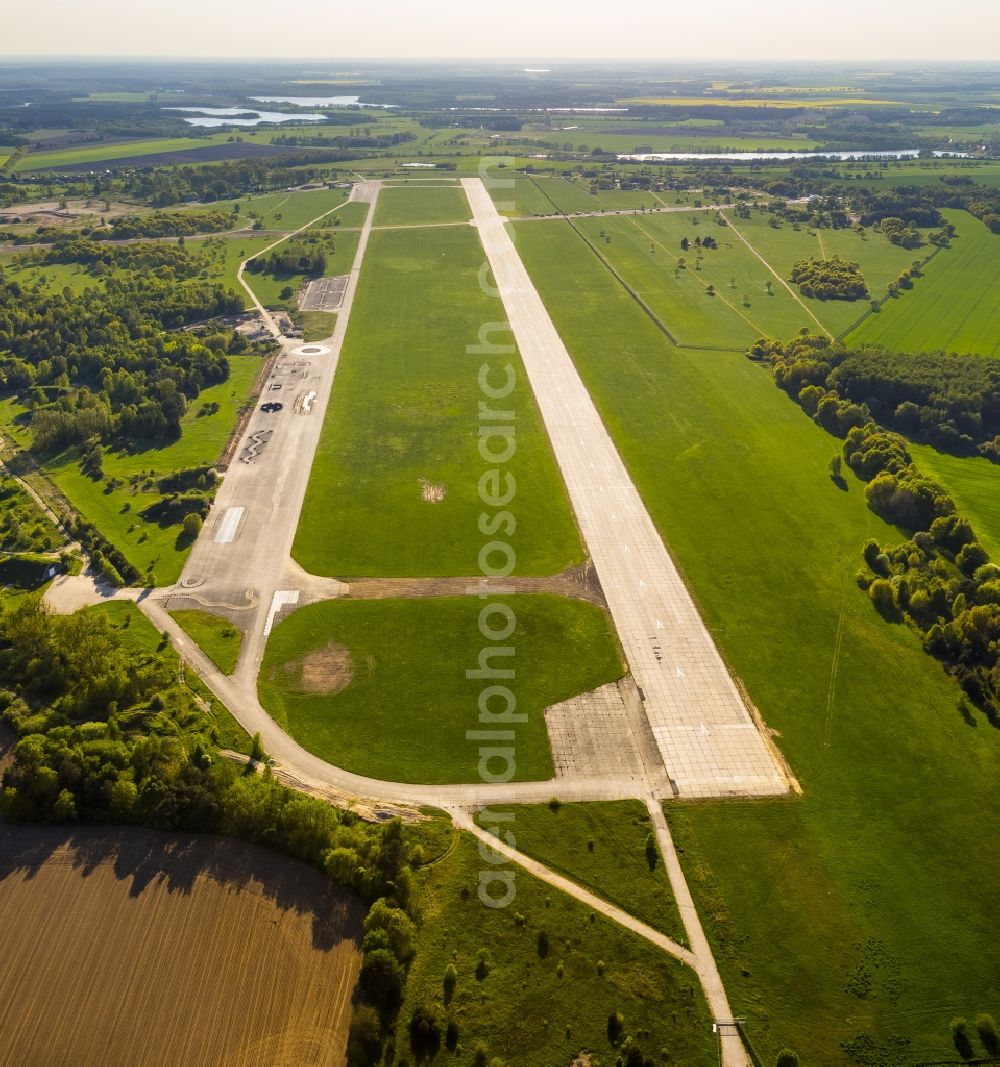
(311, 350)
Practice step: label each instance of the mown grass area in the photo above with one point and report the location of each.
(407, 707)
(881, 262)
(142, 635)
(849, 916)
(419, 204)
(720, 300)
(218, 638)
(159, 552)
(603, 847)
(317, 325)
(351, 215)
(537, 1008)
(954, 307)
(974, 482)
(286, 209)
(402, 427)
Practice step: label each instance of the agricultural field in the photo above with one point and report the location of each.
(604, 847)
(838, 917)
(399, 451)
(99, 152)
(953, 307)
(158, 552)
(420, 205)
(218, 638)
(399, 709)
(254, 956)
(539, 1001)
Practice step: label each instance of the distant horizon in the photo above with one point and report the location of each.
(918, 61)
(727, 31)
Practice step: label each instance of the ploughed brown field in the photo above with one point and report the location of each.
(138, 947)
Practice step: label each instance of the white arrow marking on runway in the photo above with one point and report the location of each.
(680, 672)
(659, 626)
(704, 730)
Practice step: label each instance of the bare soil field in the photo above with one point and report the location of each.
(139, 947)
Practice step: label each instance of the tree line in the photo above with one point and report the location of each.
(949, 401)
(941, 580)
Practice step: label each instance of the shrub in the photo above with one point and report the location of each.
(960, 1035)
(987, 1030)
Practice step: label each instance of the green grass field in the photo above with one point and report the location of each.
(955, 306)
(403, 422)
(537, 1010)
(417, 204)
(405, 713)
(881, 262)
(288, 209)
(218, 638)
(603, 847)
(116, 514)
(317, 325)
(645, 252)
(848, 915)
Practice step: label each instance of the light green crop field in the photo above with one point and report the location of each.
(974, 482)
(603, 847)
(116, 513)
(537, 1008)
(845, 915)
(97, 152)
(394, 488)
(407, 704)
(218, 638)
(416, 205)
(955, 306)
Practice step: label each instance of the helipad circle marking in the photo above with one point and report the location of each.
(311, 350)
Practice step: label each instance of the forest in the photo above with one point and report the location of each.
(950, 401)
(106, 364)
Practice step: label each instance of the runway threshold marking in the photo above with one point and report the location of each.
(229, 525)
(282, 598)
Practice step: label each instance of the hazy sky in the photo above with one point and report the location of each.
(651, 29)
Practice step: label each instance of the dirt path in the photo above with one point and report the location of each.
(269, 321)
(795, 296)
(465, 821)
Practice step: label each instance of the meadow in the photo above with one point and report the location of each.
(536, 1001)
(845, 917)
(953, 307)
(396, 705)
(399, 451)
(603, 847)
(421, 205)
(218, 638)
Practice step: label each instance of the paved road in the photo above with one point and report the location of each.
(242, 557)
(707, 737)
